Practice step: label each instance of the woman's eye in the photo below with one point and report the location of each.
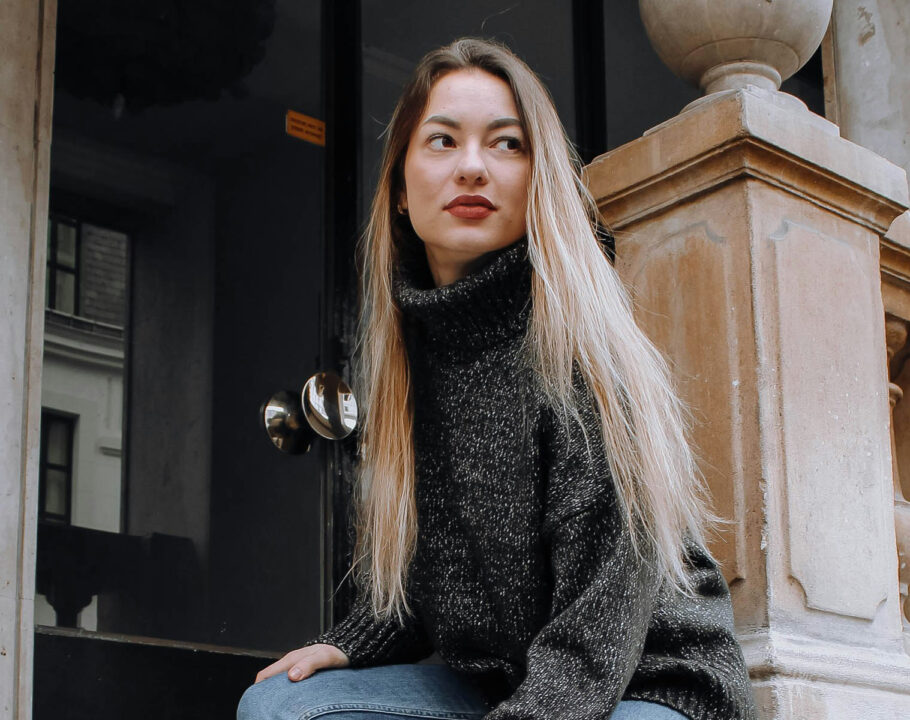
(440, 142)
(510, 144)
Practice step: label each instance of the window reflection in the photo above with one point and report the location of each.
(56, 473)
(80, 488)
(62, 264)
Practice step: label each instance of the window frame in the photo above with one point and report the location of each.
(54, 266)
(44, 465)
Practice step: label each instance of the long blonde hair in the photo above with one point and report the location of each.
(581, 319)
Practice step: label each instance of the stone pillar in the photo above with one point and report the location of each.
(748, 232)
(26, 87)
(871, 85)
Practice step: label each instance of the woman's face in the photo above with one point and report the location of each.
(466, 172)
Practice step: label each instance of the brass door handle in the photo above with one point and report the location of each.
(326, 407)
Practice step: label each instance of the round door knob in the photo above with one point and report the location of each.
(329, 406)
(325, 407)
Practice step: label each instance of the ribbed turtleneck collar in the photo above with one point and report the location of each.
(489, 306)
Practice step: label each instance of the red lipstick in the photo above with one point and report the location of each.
(470, 207)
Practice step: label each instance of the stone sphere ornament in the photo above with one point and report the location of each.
(727, 44)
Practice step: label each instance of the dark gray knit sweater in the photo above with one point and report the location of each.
(524, 577)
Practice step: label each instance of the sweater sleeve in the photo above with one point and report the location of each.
(369, 641)
(582, 659)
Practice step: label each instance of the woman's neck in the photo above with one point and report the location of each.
(450, 265)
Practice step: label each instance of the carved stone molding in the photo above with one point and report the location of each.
(739, 135)
(772, 654)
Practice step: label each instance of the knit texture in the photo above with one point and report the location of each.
(524, 576)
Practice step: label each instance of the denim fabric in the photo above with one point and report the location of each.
(639, 710)
(390, 692)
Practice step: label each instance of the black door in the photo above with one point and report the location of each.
(178, 550)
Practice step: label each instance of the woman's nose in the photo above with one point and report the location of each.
(471, 166)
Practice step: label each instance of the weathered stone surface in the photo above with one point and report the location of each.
(871, 82)
(872, 54)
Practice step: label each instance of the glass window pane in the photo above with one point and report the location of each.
(66, 292)
(198, 300)
(66, 245)
(55, 500)
(58, 441)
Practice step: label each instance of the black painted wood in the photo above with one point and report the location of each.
(590, 78)
(83, 676)
(342, 87)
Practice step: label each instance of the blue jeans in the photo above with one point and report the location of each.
(391, 692)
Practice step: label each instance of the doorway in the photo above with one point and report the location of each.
(201, 250)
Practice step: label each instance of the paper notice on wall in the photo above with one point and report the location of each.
(305, 127)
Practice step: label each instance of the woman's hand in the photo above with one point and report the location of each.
(303, 662)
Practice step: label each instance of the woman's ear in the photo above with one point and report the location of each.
(402, 203)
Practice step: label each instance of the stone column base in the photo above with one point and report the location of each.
(799, 677)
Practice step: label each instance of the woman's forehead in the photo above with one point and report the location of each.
(470, 93)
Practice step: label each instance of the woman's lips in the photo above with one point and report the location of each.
(470, 212)
(470, 207)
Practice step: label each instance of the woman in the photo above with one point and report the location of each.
(529, 506)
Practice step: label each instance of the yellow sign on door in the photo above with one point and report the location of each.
(305, 127)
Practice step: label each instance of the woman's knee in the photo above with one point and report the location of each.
(640, 710)
(278, 698)
(269, 699)
(250, 705)
(409, 689)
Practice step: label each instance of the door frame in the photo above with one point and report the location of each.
(342, 92)
(27, 48)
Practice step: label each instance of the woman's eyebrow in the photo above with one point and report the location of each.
(450, 122)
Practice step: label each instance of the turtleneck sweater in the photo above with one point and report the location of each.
(524, 576)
